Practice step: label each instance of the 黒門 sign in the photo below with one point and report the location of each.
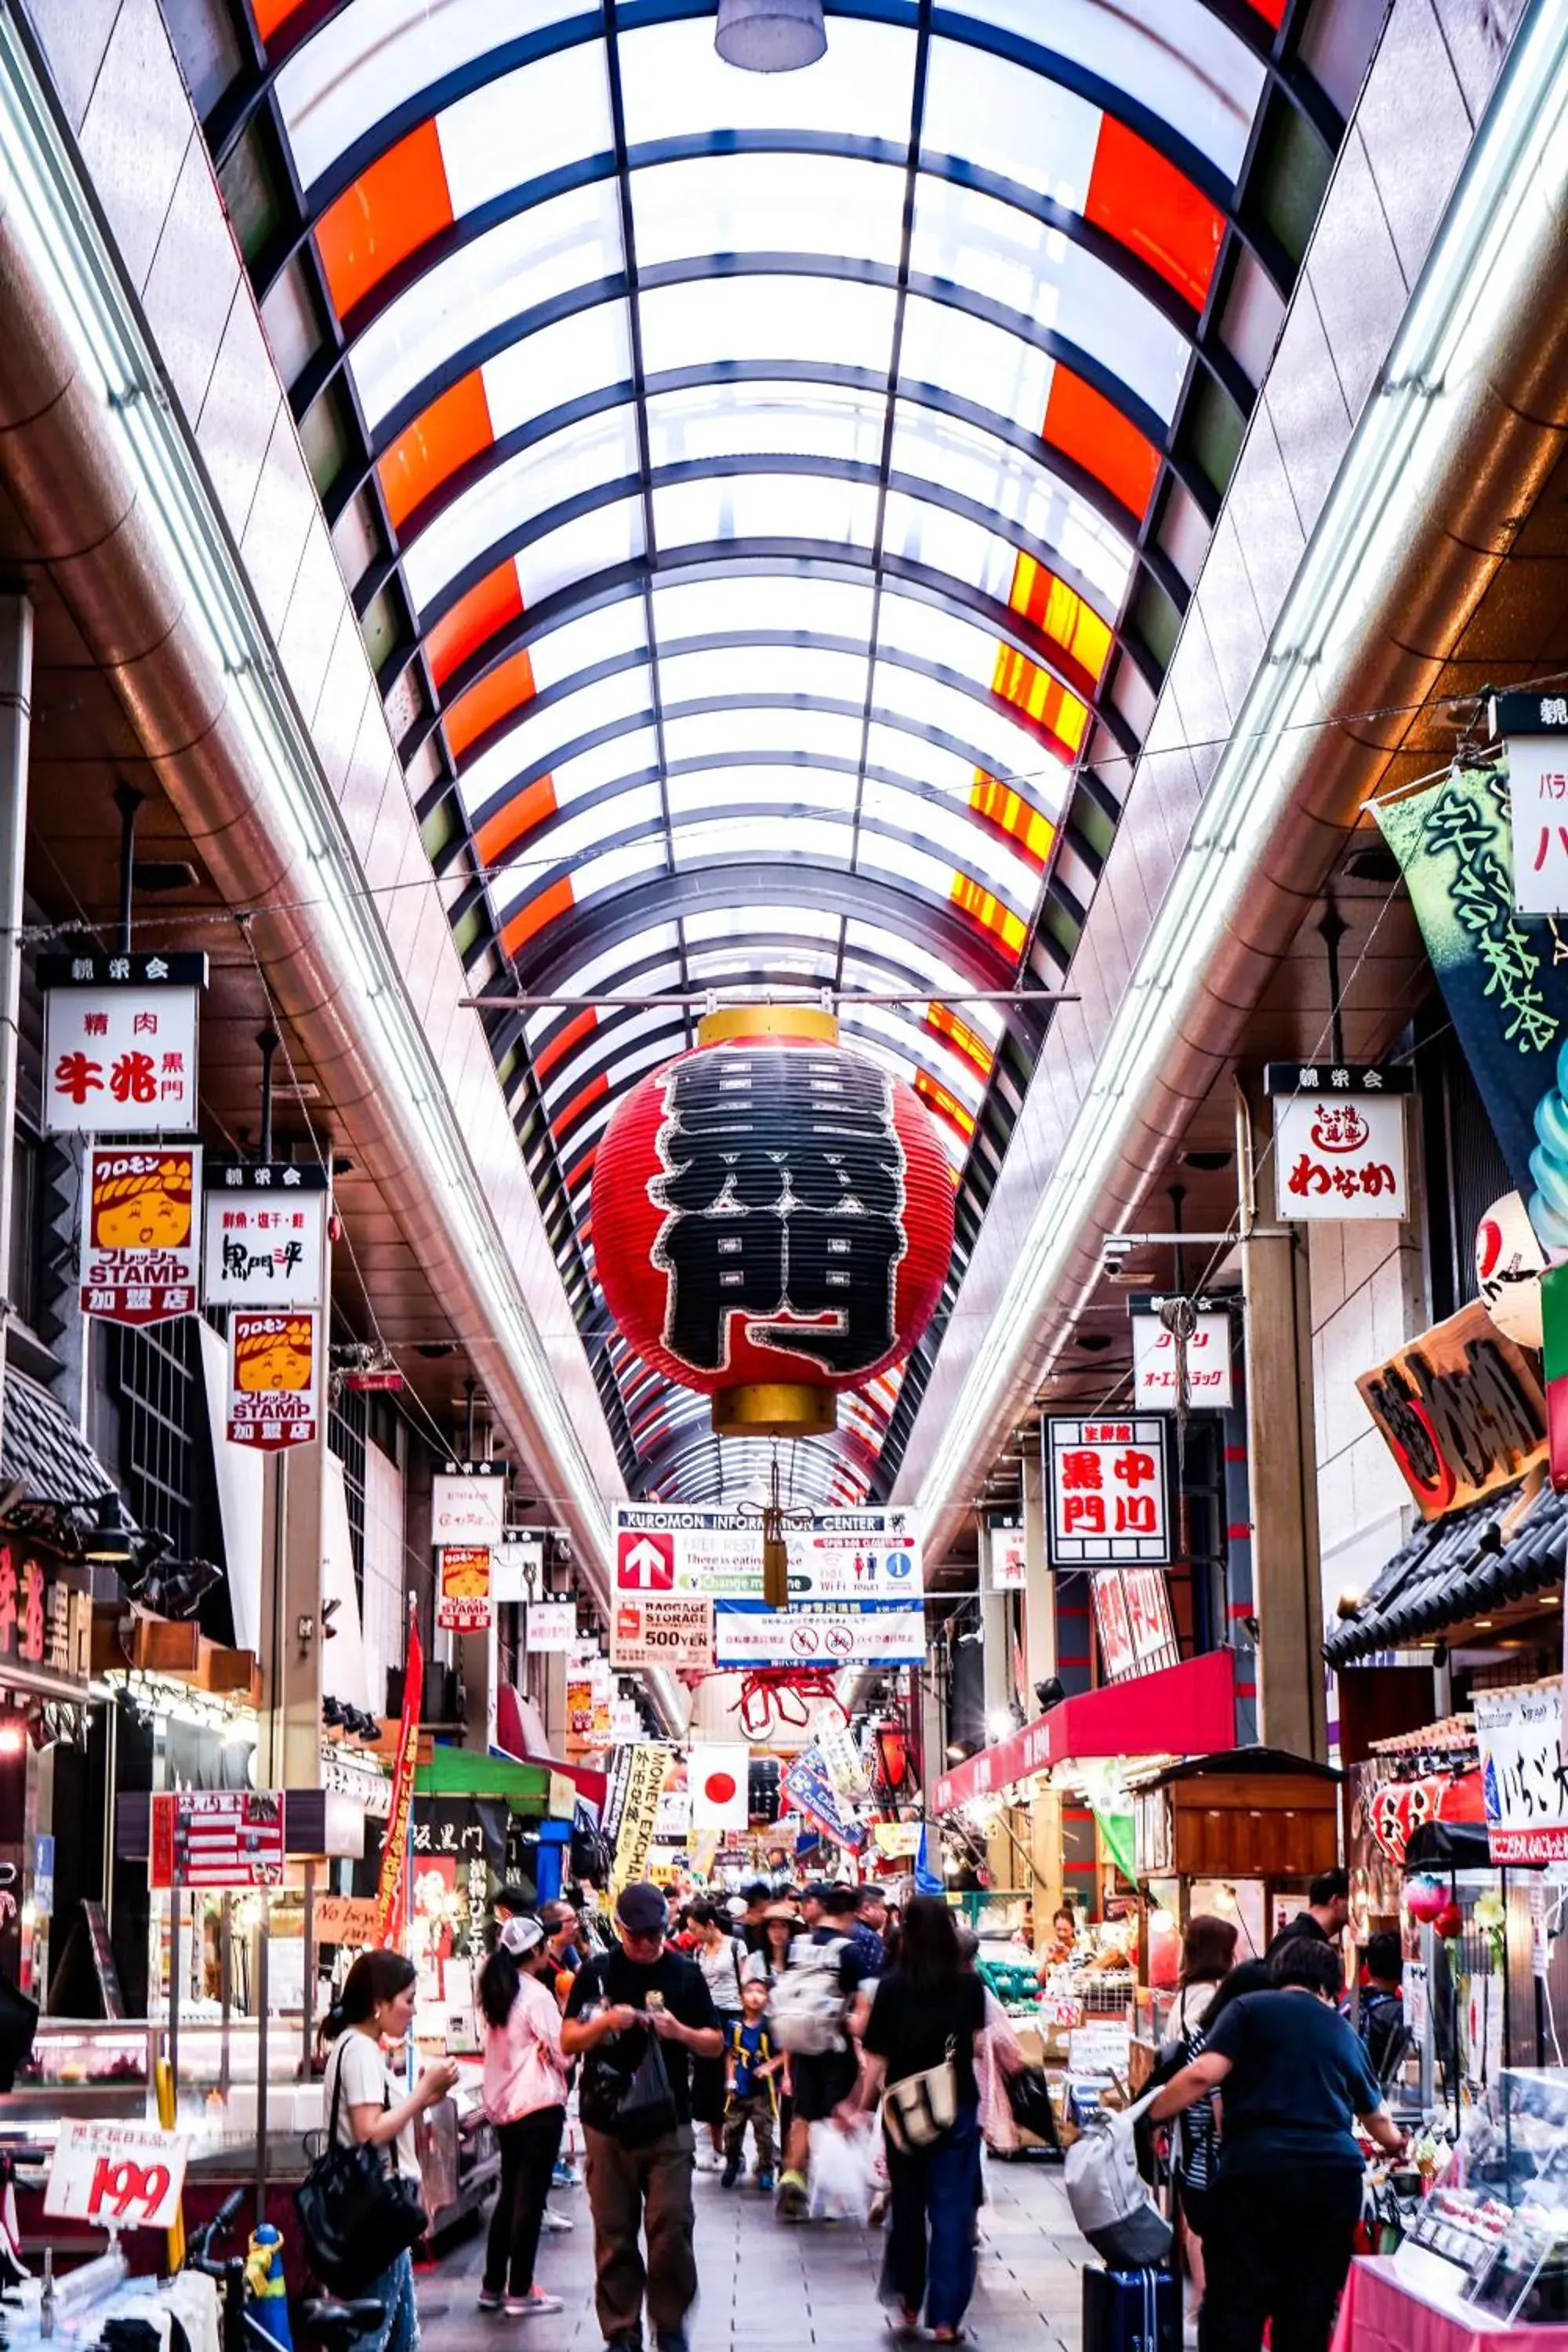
(265, 1238)
(1524, 1778)
(119, 1043)
(1534, 730)
(1107, 1500)
(274, 1378)
(463, 1605)
(1339, 1140)
(1005, 1551)
(140, 1259)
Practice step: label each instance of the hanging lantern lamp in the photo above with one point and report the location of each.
(773, 1219)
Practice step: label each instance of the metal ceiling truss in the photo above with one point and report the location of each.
(762, 958)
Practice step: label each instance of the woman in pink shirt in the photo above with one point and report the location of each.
(525, 2098)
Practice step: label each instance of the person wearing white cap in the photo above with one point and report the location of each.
(525, 2099)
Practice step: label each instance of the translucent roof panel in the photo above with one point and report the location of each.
(767, 204)
(478, 289)
(766, 470)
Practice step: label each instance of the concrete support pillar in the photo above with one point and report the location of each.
(291, 1545)
(1281, 1463)
(16, 721)
(999, 1855)
(1044, 1842)
(479, 1669)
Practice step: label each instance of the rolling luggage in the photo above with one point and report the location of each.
(1131, 2311)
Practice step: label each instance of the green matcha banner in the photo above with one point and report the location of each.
(1504, 975)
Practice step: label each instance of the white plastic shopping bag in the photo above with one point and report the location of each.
(842, 2181)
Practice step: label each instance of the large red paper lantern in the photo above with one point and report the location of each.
(773, 1219)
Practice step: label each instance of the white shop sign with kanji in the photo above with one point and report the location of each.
(1339, 1155)
(120, 1049)
(265, 1239)
(1534, 729)
(1156, 1365)
(1108, 1492)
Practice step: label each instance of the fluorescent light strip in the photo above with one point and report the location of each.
(58, 230)
(1464, 298)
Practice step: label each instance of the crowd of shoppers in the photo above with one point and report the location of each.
(784, 2013)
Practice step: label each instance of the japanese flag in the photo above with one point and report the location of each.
(716, 1777)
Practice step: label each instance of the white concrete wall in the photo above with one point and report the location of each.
(1368, 1294)
(385, 1577)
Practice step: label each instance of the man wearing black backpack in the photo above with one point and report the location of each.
(638, 2128)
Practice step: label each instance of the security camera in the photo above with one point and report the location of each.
(1114, 1252)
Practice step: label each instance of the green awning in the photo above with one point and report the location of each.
(461, 1772)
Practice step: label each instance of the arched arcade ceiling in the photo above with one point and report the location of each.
(771, 502)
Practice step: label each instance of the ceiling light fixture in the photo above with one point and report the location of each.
(770, 36)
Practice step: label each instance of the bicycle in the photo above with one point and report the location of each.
(331, 2321)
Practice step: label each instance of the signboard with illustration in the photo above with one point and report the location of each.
(463, 1602)
(140, 1256)
(1524, 1782)
(1461, 1410)
(274, 1379)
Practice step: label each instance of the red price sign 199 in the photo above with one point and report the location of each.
(116, 2176)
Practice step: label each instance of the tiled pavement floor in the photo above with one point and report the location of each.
(771, 2287)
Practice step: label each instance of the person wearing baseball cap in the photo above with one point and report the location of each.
(636, 2184)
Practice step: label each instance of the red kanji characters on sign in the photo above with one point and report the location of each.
(33, 1612)
(1134, 1468)
(1310, 1179)
(1084, 1514)
(131, 1079)
(1135, 1516)
(7, 1599)
(1545, 850)
(145, 1024)
(77, 1077)
(1080, 1470)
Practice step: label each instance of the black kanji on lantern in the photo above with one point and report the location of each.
(784, 1181)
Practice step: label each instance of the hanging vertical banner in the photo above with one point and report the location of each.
(1004, 1550)
(392, 1892)
(140, 1261)
(119, 1043)
(644, 1780)
(274, 1379)
(1506, 994)
(840, 1756)
(463, 1605)
(265, 1235)
(809, 1789)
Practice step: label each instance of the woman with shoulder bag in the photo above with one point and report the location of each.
(364, 2105)
(525, 2099)
(919, 2049)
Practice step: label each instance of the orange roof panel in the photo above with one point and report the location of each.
(391, 209)
(518, 818)
(1086, 426)
(1153, 209)
(535, 913)
(452, 430)
(507, 688)
(1062, 615)
(488, 605)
